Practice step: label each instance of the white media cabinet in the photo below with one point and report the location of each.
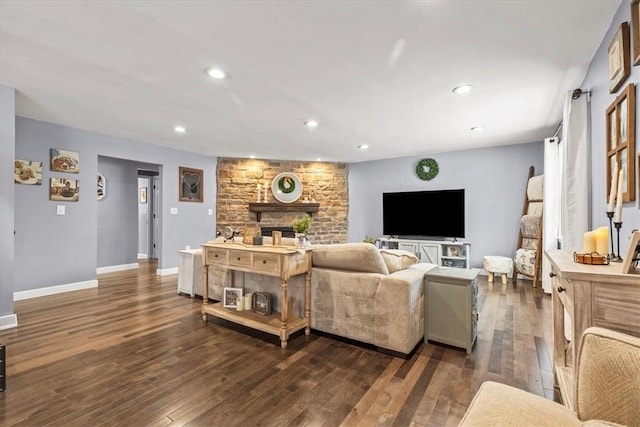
(445, 253)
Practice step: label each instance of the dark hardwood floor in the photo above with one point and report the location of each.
(134, 353)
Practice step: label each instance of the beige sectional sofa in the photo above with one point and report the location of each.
(369, 295)
(357, 291)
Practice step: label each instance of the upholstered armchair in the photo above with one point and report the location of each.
(606, 389)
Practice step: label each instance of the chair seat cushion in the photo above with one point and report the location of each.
(498, 404)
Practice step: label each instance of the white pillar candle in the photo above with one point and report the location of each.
(618, 217)
(247, 301)
(602, 240)
(614, 181)
(589, 242)
(240, 304)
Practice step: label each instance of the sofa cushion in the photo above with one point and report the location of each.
(397, 259)
(363, 257)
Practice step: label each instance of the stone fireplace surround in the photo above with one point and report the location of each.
(237, 181)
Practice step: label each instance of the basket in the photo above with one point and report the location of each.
(592, 258)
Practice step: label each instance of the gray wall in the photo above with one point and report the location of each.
(66, 247)
(7, 149)
(596, 81)
(494, 180)
(118, 212)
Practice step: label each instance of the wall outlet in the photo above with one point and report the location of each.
(174, 211)
(60, 209)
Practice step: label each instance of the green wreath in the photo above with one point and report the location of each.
(286, 179)
(427, 169)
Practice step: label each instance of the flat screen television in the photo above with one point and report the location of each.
(437, 213)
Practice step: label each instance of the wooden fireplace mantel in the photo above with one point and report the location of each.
(259, 208)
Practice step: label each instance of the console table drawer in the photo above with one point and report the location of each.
(216, 256)
(266, 262)
(240, 258)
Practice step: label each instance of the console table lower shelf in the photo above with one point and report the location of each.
(271, 324)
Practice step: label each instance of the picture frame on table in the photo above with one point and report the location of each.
(620, 144)
(632, 260)
(453, 251)
(618, 54)
(231, 296)
(191, 184)
(635, 30)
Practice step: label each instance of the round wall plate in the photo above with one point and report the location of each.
(286, 187)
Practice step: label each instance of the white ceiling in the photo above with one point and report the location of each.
(371, 72)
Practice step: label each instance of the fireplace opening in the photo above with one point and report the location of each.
(286, 231)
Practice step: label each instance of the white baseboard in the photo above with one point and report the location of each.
(114, 268)
(167, 271)
(52, 290)
(143, 256)
(8, 321)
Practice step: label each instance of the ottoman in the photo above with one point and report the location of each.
(498, 264)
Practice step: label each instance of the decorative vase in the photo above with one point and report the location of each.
(301, 240)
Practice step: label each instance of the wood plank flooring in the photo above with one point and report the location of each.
(135, 353)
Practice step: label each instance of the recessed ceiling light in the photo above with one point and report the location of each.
(216, 73)
(477, 128)
(363, 146)
(318, 159)
(252, 156)
(311, 123)
(462, 89)
(179, 129)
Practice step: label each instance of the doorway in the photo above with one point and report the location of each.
(148, 214)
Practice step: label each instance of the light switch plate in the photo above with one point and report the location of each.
(210, 212)
(174, 211)
(60, 209)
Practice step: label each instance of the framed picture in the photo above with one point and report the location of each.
(619, 66)
(27, 172)
(65, 161)
(632, 260)
(635, 30)
(102, 186)
(191, 184)
(64, 190)
(143, 195)
(620, 146)
(453, 251)
(231, 297)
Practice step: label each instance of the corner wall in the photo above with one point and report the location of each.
(597, 81)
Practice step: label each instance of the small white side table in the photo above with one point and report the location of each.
(189, 271)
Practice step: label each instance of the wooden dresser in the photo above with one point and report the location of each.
(589, 295)
(278, 261)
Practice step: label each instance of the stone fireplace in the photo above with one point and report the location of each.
(326, 183)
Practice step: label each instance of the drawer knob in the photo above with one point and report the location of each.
(561, 289)
(238, 258)
(215, 256)
(264, 261)
(552, 274)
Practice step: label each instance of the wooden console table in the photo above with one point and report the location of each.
(590, 295)
(278, 261)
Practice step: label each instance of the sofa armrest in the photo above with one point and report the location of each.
(399, 312)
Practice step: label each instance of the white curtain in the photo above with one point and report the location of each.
(566, 183)
(575, 184)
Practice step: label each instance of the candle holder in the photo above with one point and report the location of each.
(617, 257)
(610, 216)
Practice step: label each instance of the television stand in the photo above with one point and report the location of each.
(440, 252)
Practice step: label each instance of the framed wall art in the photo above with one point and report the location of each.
(101, 186)
(64, 190)
(635, 30)
(27, 172)
(191, 183)
(143, 195)
(65, 161)
(620, 146)
(619, 66)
